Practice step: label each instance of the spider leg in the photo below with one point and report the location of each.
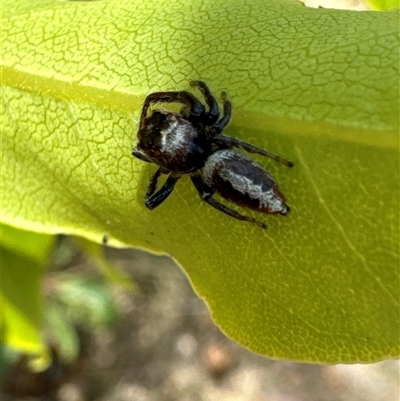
(237, 143)
(196, 107)
(213, 114)
(224, 121)
(151, 187)
(206, 193)
(151, 199)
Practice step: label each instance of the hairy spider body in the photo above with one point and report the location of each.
(239, 179)
(191, 142)
(171, 141)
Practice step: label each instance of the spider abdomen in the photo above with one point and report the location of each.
(241, 180)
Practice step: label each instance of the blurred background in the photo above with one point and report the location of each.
(154, 340)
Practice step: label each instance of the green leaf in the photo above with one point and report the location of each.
(61, 331)
(77, 302)
(23, 256)
(113, 275)
(383, 4)
(319, 87)
(87, 301)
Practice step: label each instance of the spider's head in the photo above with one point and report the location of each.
(160, 131)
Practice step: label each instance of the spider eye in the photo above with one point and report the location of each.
(154, 125)
(157, 119)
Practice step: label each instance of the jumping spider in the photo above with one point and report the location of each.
(191, 142)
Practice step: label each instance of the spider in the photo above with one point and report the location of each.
(191, 142)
